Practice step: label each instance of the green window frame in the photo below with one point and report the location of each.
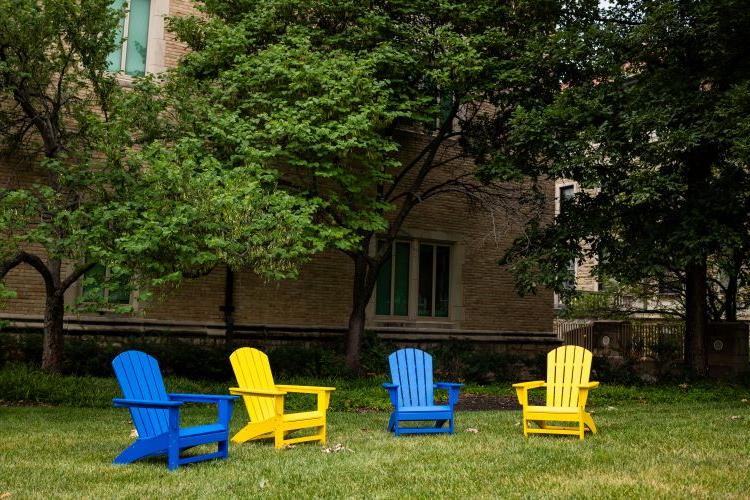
(132, 35)
(432, 276)
(392, 296)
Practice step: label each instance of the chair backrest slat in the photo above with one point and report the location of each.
(411, 370)
(139, 377)
(567, 368)
(253, 371)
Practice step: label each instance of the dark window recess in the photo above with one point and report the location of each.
(425, 280)
(434, 280)
(392, 289)
(401, 280)
(442, 281)
(669, 286)
(566, 194)
(96, 281)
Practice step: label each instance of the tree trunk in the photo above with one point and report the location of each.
(54, 312)
(696, 322)
(52, 353)
(356, 332)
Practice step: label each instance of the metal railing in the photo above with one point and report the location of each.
(575, 332)
(636, 338)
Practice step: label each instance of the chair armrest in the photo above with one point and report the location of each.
(522, 390)
(141, 403)
(590, 385)
(448, 385)
(256, 392)
(201, 398)
(304, 389)
(393, 393)
(453, 389)
(584, 393)
(535, 384)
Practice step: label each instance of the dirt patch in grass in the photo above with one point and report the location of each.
(472, 402)
(483, 402)
(9, 404)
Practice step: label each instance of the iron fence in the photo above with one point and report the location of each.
(575, 332)
(637, 338)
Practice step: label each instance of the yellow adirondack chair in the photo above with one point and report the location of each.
(264, 401)
(568, 386)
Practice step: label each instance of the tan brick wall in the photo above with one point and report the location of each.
(322, 294)
(173, 49)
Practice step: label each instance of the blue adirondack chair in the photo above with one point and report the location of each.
(412, 394)
(156, 414)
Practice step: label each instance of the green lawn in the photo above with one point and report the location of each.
(645, 449)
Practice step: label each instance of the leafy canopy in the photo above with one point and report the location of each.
(88, 184)
(654, 122)
(321, 89)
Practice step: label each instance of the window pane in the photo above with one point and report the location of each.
(424, 299)
(120, 294)
(442, 272)
(401, 280)
(135, 59)
(570, 284)
(383, 289)
(93, 281)
(566, 194)
(446, 104)
(113, 60)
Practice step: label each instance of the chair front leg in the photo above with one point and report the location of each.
(522, 394)
(225, 408)
(453, 396)
(173, 447)
(324, 399)
(278, 430)
(581, 423)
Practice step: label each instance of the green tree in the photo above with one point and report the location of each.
(655, 120)
(92, 188)
(330, 91)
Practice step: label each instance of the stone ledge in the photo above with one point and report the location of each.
(122, 327)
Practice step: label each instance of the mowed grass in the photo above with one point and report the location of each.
(643, 449)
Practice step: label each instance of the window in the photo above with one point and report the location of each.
(445, 103)
(570, 284)
(393, 282)
(130, 56)
(669, 285)
(95, 287)
(566, 194)
(434, 271)
(426, 265)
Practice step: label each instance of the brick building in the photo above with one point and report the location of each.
(443, 280)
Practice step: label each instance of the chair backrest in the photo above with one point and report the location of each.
(140, 378)
(411, 370)
(567, 367)
(253, 371)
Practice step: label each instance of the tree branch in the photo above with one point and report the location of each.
(77, 273)
(35, 262)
